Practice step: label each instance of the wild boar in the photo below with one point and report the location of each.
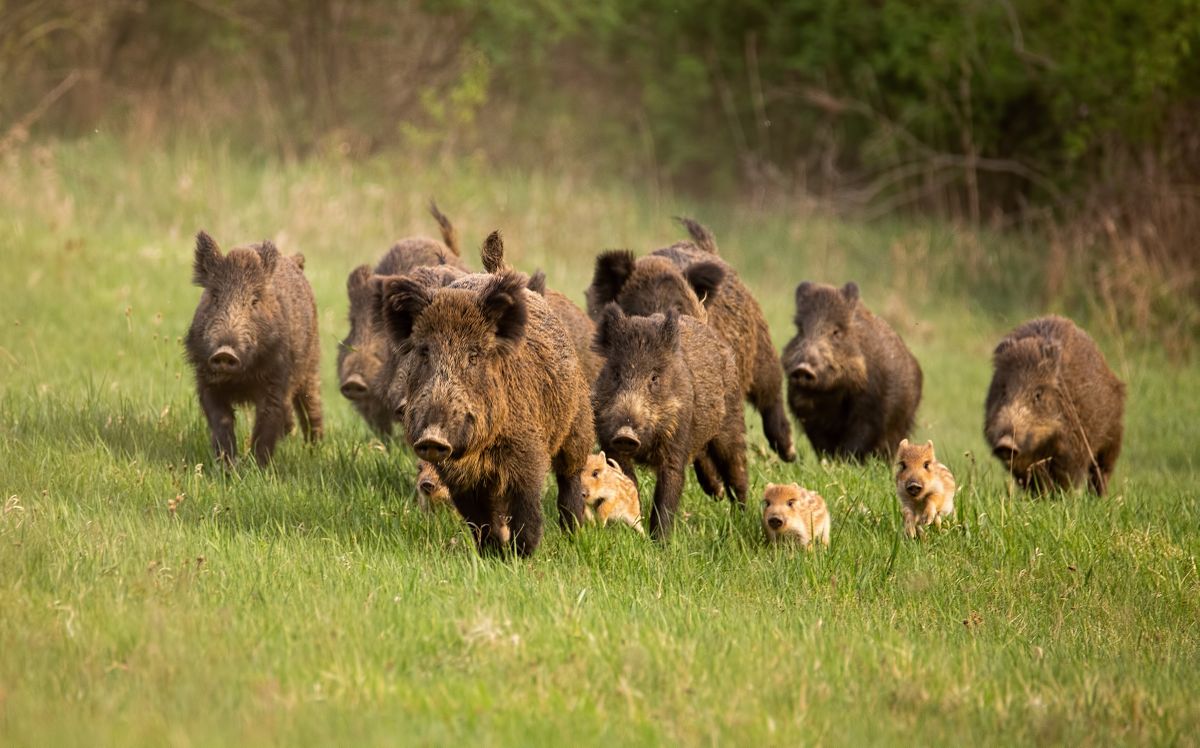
(924, 486)
(669, 391)
(363, 365)
(853, 385)
(1054, 409)
(691, 278)
(253, 339)
(430, 490)
(496, 399)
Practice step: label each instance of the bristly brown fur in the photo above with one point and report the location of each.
(260, 313)
(1055, 410)
(692, 279)
(671, 382)
(449, 233)
(853, 385)
(700, 234)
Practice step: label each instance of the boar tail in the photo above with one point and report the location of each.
(699, 233)
(449, 234)
(492, 254)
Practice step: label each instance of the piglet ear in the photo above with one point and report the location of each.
(402, 300)
(607, 330)
(903, 446)
(613, 464)
(850, 292)
(268, 255)
(669, 331)
(502, 302)
(207, 255)
(613, 269)
(705, 279)
(929, 445)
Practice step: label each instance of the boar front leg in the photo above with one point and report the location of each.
(219, 412)
(270, 423)
(668, 487)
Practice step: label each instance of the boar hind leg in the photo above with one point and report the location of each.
(307, 402)
(478, 515)
(728, 452)
(270, 423)
(219, 413)
(766, 395)
(708, 476)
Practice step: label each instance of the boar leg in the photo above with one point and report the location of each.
(525, 523)
(708, 476)
(219, 413)
(766, 395)
(477, 513)
(307, 402)
(568, 464)
(270, 423)
(667, 488)
(728, 453)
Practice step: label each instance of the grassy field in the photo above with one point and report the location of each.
(146, 598)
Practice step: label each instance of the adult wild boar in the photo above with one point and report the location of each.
(496, 399)
(1054, 408)
(253, 339)
(668, 393)
(691, 278)
(852, 383)
(363, 365)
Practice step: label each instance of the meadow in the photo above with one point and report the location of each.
(147, 597)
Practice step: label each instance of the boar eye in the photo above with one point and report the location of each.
(1037, 395)
(423, 351)
(903, 466)
(791, 502)
(595, 473)
(254, 300)
(927, 466)
(472, 355)
(837, 332)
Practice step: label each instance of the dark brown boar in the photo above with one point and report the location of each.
(1054, 408)
(691, 278)
(579, 325)
(363, 364)
(852, 383)
(668, 393)
(253, 339)
(496, 399)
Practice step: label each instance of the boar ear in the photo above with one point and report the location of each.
(401, 301)
(613, 268)
(207, 255)
(903, 446)
(492, 253)
(503, 303)
(1002, 347)
(705, 278)
(359, 279)
(268, 255)
(537, 283)
(613, 464)
(670, 330)
(850, 292)
(606, 329)
(803, 290)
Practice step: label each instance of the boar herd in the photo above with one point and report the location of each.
(497, 381)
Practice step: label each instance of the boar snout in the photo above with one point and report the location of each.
(1006, 448)
(433, 445)
(803, 374)
(427, 485)
(774, 523)
(626, 440)
(224, 360)
(354, 388)
(913, 487)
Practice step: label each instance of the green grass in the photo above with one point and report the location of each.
(146, 598)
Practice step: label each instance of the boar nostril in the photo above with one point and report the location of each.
(354, 387)
(803, 374)
(626, 440)
(775, 523)
(427, 486)
(1006, 449)
(224, 359)
(433, 445)
(913, 489)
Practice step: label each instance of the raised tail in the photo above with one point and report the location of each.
(492, 254)
(449, 235)
(699, 233)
